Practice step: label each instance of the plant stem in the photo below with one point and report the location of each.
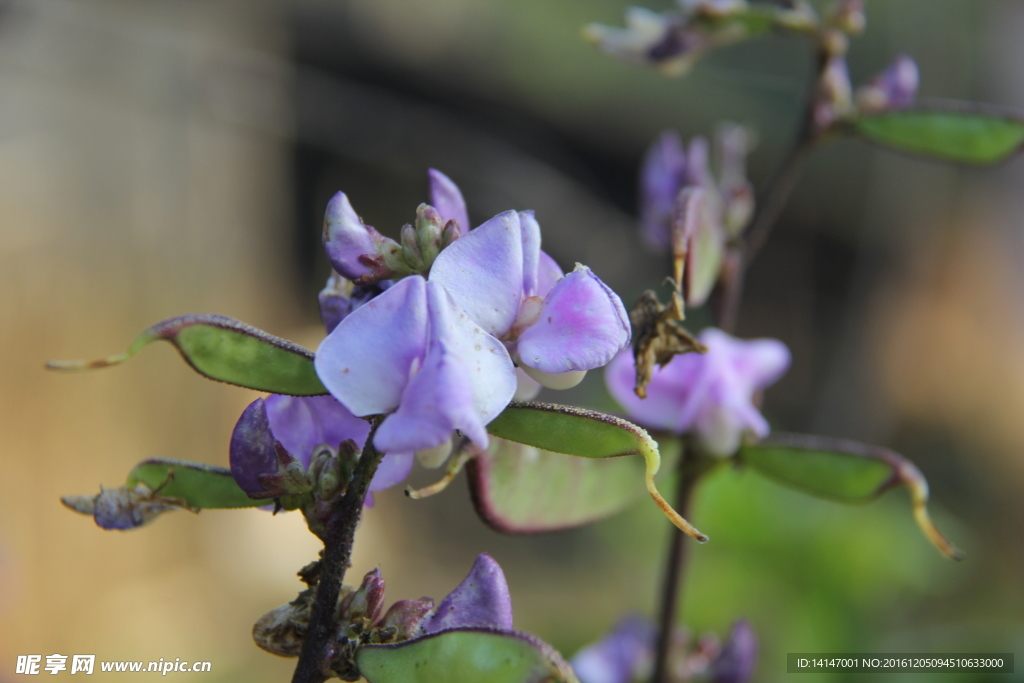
(674, 570)
(335, 560)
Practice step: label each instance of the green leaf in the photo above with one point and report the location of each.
(465, 656)
(587, 434)
(228, 351)
(201, 486)
(965, 133)
(845, 471)
(522, 489)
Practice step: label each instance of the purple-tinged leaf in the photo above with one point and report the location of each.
(228, 351)
(519, 489)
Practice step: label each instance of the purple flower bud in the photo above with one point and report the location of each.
(482, 600)
(446, 197)
(894, 88)
(622, 656)
(354, 249)
(736, 661)
(255, 454)
(366, 602)
(710, 395)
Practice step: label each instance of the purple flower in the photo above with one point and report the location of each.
(438, 354)
(622, 656)
(709, 395)
(894, 88)
(482, 600)
(356, 250)
(280, 430)
(736, 660)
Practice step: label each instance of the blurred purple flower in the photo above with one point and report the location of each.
(894, 88)
(709, 395)
(623, 656)
(736, 660)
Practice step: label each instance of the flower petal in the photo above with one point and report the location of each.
(620, 656)
(393, 470)
(760, 362)
(446, 197)
(346, 238)
(365, 361)
(483, 272)
(481, 600)
(252, 451)
(301, 423)
(582, 326)
(530, 229)
(660, 410)
(661, 177)
(466, 380)
(548, 273)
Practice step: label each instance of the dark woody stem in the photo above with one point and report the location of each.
(674, 570)
(335, 560)
(766, 215)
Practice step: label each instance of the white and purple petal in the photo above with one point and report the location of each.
(483, 272)
(346, 238)
(582, 325)
(366, 361)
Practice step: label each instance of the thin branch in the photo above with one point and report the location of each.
(338, 539)
(674, 570)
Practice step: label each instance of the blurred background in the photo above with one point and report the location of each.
(158, 158)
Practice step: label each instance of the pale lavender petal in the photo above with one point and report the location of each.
(661, 178)
(482, 600)
(301, 423)
(393, 470)
(483, 272)
(530, 230)
(252, 451)
(437, 400)
(669, 395)
(620, 656)
(760, 362)
(548, 273)
(345, 238)
(738, 658)
(446, 197)
(466, 380)
(581, 326)
(365, 362)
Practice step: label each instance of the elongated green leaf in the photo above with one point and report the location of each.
(962, 133)
(201, 486)
(228, 351)
(522, 489)
(465, 656)
(846, 471)
(587, 434)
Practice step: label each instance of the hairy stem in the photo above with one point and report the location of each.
(338, 538)
(674, 570)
